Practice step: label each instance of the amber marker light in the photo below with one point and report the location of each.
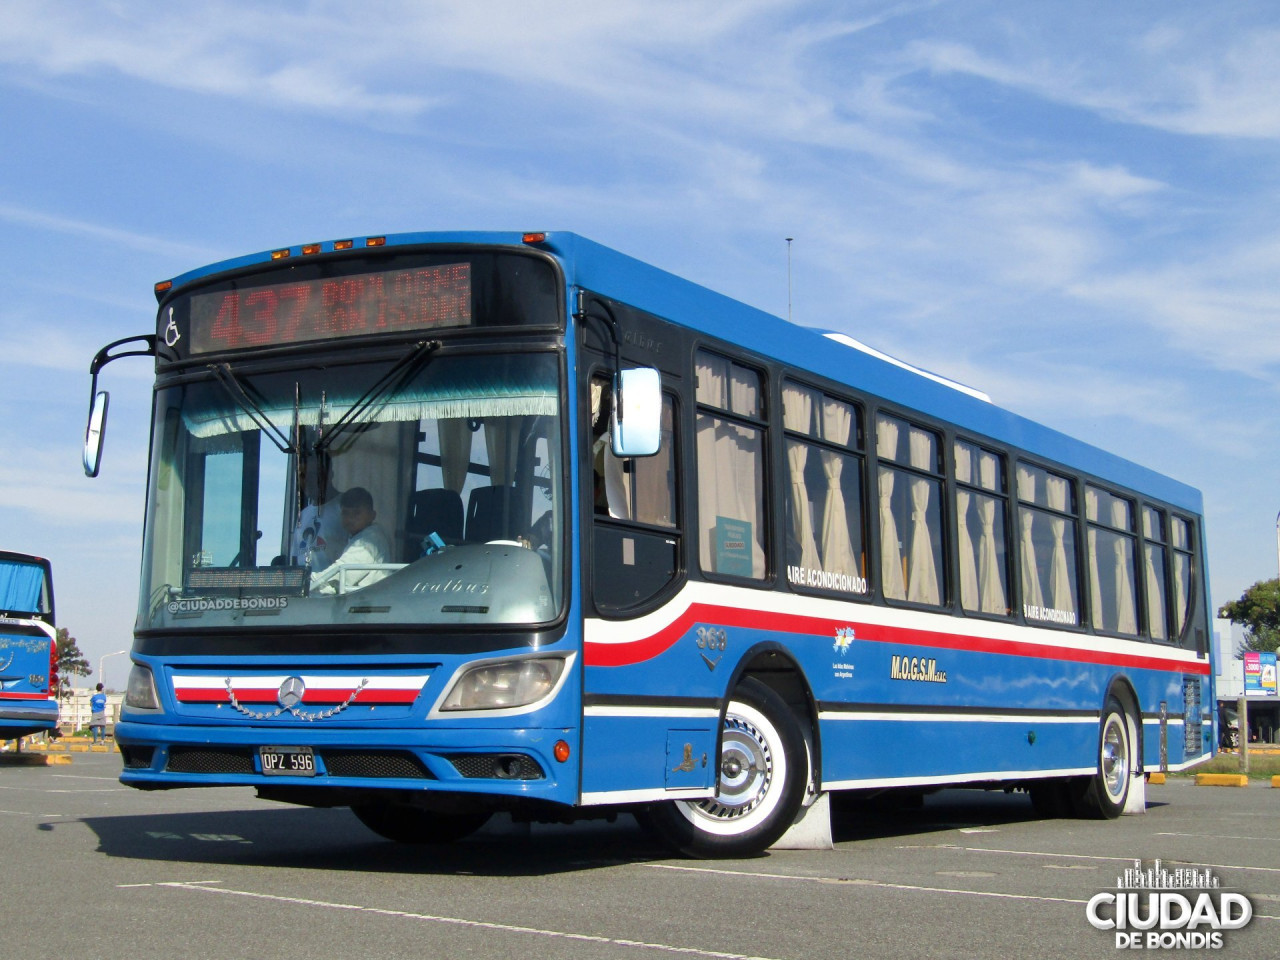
(561, 751)
(280, 254)
(164, 286)
(534, 238)
(376, 242)
(343, 244)
(309, 248)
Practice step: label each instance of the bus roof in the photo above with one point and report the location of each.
(624, 278)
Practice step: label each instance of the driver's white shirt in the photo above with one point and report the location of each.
(370, 545)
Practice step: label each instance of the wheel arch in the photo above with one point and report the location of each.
(775, 666)
(1122, 688)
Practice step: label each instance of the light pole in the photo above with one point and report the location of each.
(1278, 540)
(789, 239)
(101, 659)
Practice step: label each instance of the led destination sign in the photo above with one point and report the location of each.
(391, 301)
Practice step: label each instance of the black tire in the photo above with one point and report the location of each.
(763, 775)
(413, 825)
(1052, 799)
(1107, 790)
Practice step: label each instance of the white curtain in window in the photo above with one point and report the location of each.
(502, 443)
(366, 465)
(455, 452)
(1126, 607)
(729, 463)
(892, 575)
(797, 409)
(968, 559)
(923, 584)
(607, 467)
(1155, 592)
(837, 550)
(1181, 591)
(990, 572)
(1095, 575)
(1032, 595)
(744, 392)
(1059, 568)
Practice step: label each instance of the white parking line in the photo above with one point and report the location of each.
(863, 882)
(884, 885)
(463, 922)
(1213, 836)
(1084, 856)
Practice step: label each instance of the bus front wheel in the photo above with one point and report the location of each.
(763, 774)
(413, 825)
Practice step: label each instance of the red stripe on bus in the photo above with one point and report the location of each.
(637, 651)
(10, 695)
(259, 695)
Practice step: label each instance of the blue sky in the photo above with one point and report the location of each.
(1073, 207)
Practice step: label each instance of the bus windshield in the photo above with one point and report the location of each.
(420, 490)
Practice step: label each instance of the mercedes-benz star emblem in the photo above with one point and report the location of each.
(291, 692)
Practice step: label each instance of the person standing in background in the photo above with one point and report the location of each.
(98, 715)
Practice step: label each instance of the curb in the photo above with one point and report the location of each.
(1221, 780)
(1156, 778)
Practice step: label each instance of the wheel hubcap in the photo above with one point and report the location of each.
(746, 772)
(1115, 757)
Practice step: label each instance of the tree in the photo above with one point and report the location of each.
(1258, 611)
(71, 662)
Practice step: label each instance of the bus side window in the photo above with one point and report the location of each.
(1154, 532)
(911, 566)
(1112, 554)
(826, 542)
(730, 451)
(1182, 571)
(1047, 535)
(982, 510)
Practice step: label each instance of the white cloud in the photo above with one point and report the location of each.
(114, 236)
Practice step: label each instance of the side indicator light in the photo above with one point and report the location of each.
(534, 238)
(561, 751)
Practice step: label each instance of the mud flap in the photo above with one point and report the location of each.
(1136, 801)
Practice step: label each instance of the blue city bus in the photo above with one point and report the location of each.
(440, 525)
(28, 647)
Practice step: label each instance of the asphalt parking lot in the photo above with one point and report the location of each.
(95, 869)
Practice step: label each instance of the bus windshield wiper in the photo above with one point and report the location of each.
(404, 368)
(236, 391)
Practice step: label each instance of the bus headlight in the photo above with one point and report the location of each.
(497, 686)
(140, 694)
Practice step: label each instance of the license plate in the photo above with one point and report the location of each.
(287, 761)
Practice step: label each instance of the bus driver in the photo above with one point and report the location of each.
(367, 543)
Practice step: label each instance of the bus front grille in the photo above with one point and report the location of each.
(210, 760)
(387, 764)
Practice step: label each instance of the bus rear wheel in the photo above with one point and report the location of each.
(1105, 795)
(414, 825)
(763, 774)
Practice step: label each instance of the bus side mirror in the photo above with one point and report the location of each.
(94, 433)
(636, 422)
